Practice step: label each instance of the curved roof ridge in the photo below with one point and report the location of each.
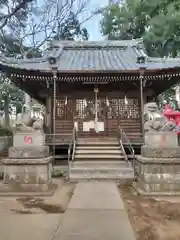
(95, 44)
(23, 60)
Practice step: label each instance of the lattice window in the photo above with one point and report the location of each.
(85, 109)
(113, 109)
(80, 107)
(64, 109)
(60, 111)
(130, 110)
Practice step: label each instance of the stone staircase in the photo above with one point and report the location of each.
(100, 159)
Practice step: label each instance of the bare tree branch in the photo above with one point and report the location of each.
(46, 20)
(21, 5)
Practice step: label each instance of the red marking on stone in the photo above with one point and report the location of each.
(164, 139)
(28, 139)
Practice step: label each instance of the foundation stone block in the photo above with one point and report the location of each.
(27, 170)
(158, 176)
(28, 175)
(158, 167)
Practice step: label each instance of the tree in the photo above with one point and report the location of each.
(56, 20)
(70, 29)
(13, 11)
(10, 96)
(13, 18)
(29, 25)
(157, 22)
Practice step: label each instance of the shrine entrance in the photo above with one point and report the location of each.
(96, 113)
(95, 116)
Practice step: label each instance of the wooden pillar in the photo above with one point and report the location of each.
(28, 100)
(48, 114)
(142, 104)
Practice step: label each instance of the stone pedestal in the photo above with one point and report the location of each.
(28, 166)
(158, 167)
(161, 139)
(30, 139)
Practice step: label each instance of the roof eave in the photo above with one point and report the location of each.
(172, 70)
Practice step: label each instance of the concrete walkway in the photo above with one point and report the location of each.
(95, 212)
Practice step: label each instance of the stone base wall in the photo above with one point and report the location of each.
(36, 174)
(163, 152)
(158, 170)
(27, 189)
(28, 152)
(158, 175)
(28, 167)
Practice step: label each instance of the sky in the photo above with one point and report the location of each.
(92, 25)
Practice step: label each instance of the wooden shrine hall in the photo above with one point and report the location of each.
(98, 87)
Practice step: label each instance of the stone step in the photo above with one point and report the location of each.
(97, 139)
(109, 170)
(100, 164)
(85, 159)
(101, 176)
(97, 147)
(115, 143)
(100, 151)
(100, 156)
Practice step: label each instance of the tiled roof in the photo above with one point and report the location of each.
(93, 56)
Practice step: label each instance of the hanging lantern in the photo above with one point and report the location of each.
(125, 100)
(66, 101)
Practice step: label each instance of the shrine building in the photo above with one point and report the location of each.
(98, 87)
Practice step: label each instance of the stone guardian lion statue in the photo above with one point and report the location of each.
(155, 121)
